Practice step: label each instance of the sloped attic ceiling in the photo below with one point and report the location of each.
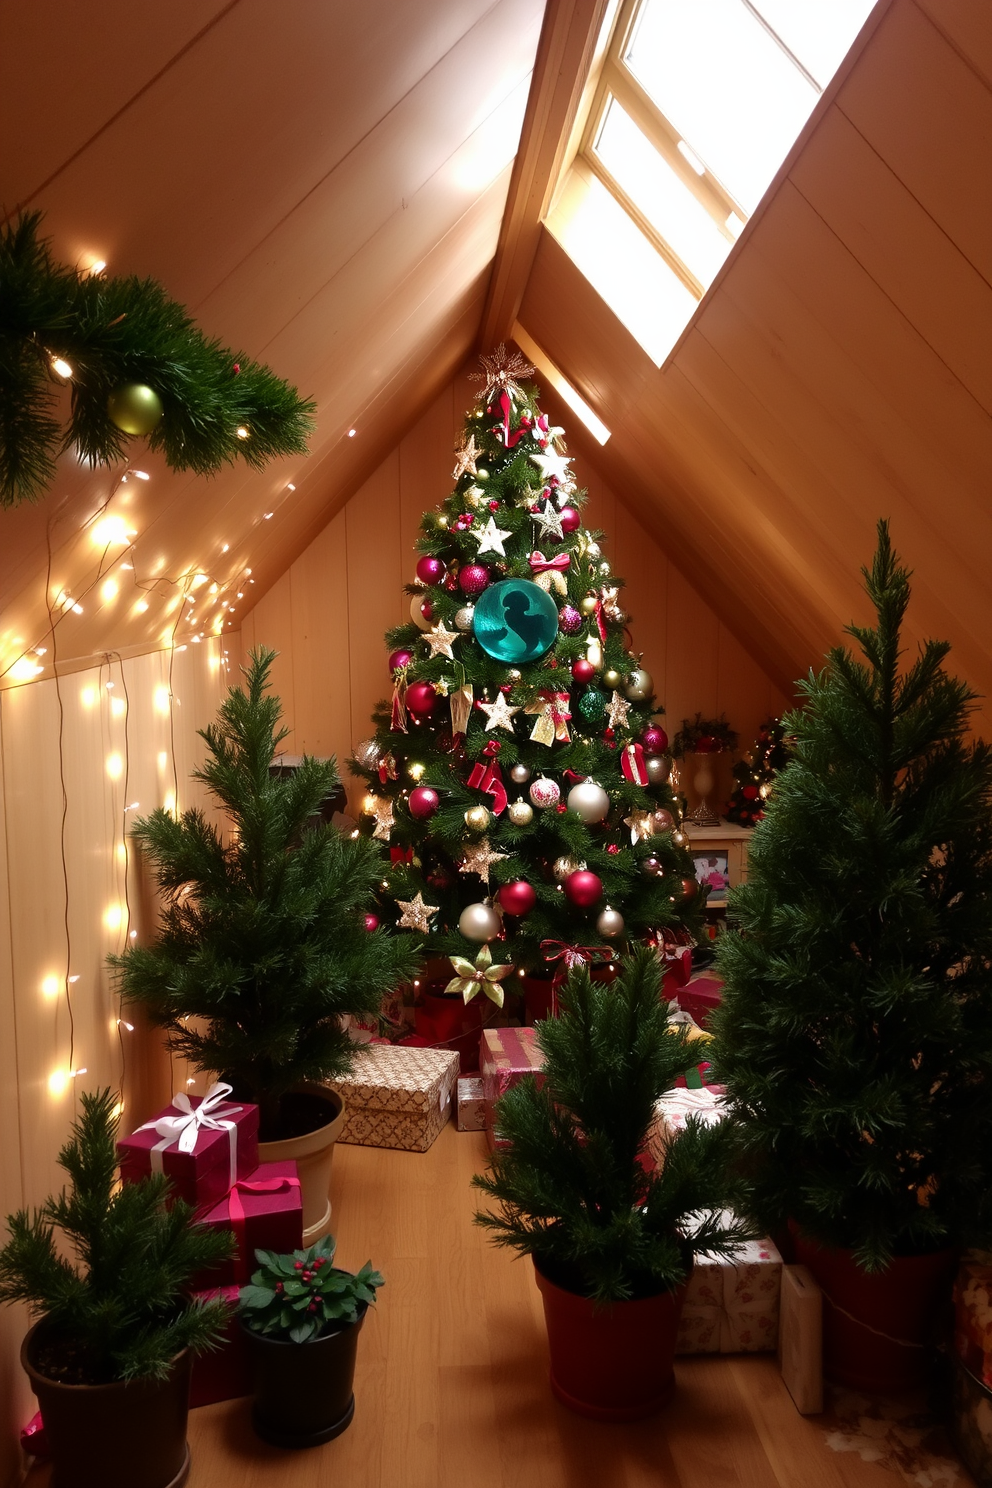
(838, 370)
(322, 185)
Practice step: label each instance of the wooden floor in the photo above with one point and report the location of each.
(452, 1385)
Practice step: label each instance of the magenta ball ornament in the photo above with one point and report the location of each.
(650, 867)
(399, 659)
(582, 670)
(424, 801)
(421, 699)
(654, 740)
(370, 921)
(517, 898)
(429, 570)
(583, 889)
(569, 519)
(473, 578)
(569, 620)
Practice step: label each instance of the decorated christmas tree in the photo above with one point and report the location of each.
(518, 775)
(755, 774)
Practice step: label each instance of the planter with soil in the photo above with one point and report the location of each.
(310, 1121)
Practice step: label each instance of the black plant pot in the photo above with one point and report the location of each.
(304, 1392)
(120, 1435)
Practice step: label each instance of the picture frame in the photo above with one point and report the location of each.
(712, 869)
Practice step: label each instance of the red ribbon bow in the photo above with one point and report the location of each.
(489, 778)
(509, 440)
(236, 1215)
(540, 564)
(570, 957)
(401, 854)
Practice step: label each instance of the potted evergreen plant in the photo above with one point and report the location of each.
(855, 1032)
(263, 946)
(302, 1316)
(611, 1240)
(109, 1358)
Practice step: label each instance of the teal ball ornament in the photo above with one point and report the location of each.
(135, 408)
(592, 705)
(515, 620)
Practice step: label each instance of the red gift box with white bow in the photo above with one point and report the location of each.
(204, 1144)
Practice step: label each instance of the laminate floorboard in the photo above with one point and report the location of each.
(452, 1388)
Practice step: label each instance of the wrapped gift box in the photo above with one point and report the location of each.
(732, 1307)
(971, 1422)
(699, 997)
(670, 1114)
(203, 1143)
(265, 1211)
(506, 1056)
(398, 1096)
(471, 1104)
(973, 1318)
(223, 1373)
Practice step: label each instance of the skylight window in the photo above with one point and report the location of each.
(697, 106)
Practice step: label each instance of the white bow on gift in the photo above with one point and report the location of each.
(185, 1128)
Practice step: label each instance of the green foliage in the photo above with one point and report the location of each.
(703, 736)
(855, 1034)
(120, 1304)
(509, 487)
(114, 332)
(570, 1190)
(754, 776)
(262, 936)
(296, 1296)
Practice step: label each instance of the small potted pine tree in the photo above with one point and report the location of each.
(109, 1358)
(855, 1032)
(612, 1241)
(302, 1316)
(263, 946)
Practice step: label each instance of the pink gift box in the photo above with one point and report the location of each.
(506, 1056)
(202, 1159)
(732, 1307)
(471, 1104)
(265, 1211)
(699, 997)
(223, 1373)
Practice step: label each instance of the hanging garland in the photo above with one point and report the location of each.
(135, 364)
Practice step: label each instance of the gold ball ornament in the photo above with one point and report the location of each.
(594, 653)
(477, 818)
(662, 821)
(565, 867)
(135, 409)
(612, 678)
(658, 768)
(588, 604)
(521, 813)
(640, 685)
(593, 550)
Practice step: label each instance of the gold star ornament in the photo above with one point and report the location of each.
(465, 458)
(440, 641)
(382, 810)
(499, 714)
(501, 369)
(416, 913)
(618, 711)
(479, 857)
(640, 824)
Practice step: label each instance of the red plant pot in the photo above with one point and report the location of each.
(878, 1327)
(613, 1363)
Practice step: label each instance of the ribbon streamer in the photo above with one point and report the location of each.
(460, 703)
(236, 1215)
(509, 440)
(570, 957)
(632, 764)
(397, 717)
(210, 1115)
(489, 779)
(553, 714)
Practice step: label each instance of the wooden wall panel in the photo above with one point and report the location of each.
(357, 576)
(125, 741)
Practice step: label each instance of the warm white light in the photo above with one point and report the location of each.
(141, 606)
(198, 580)
(352, 433)
(77, 609)
(162, 699)
(24, 669)
(692, 158)
(115, 766)
(118, 707)
(122, 1024)
(117, 1111)
(242, 432)
(268, 516)
(113, 917)
(58, 1082)
(51, 986)
(111, 528)
(226, 548)
(162, 759)
(61, 366)
(121, 852)
(108, 590)
(290, 486)
(170, 801)
(98, 267)
(141, 474)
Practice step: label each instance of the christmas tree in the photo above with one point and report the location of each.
(855, 1032)
(518, 776)
(755, 774)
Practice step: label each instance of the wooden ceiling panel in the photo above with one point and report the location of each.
(968, 29)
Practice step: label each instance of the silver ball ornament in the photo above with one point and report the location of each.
(589, 801)
(464, 617)
(610, 923)
(565, 867)
(479, 922)
(593, 550)
(650, 867)
(521, 813)
(640, 685)
(519, 773)
(658, 768)
(368, 754)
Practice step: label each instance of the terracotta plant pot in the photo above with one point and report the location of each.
(613, 1363)
(304, 1392)
(313, 1153)
(878, 1327)
(124, 1435)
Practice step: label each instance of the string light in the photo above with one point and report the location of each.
(58, 1081)
(61, 367)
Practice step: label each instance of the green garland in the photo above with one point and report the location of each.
(116, 334)
(714, 735)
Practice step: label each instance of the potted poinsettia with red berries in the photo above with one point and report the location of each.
(302, 1316)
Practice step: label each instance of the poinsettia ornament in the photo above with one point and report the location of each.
(482, 977)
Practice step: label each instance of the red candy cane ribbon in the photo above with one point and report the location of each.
(236, 1215)
(489, 778)
(632, 764)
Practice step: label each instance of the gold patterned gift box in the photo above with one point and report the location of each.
(398, 1097)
